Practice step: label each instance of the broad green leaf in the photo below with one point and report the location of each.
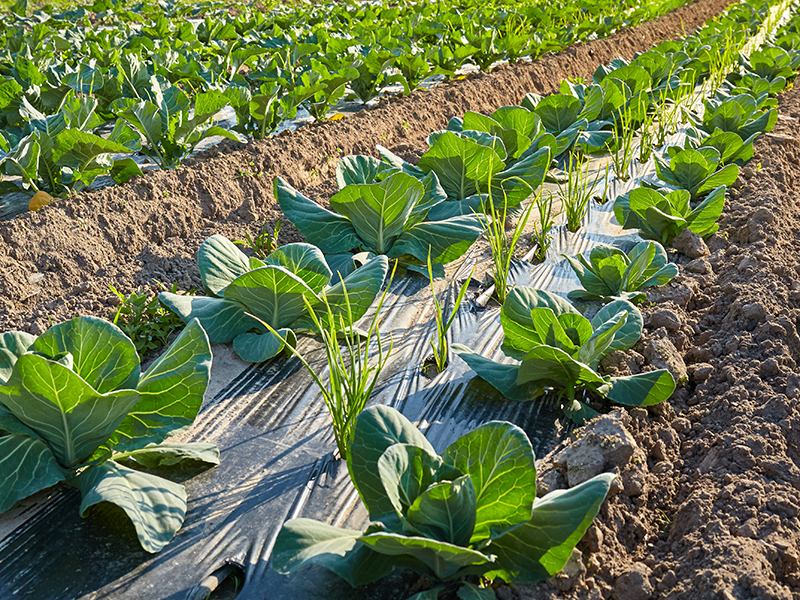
(470, 591)
(378, 428)
(171, 392)
(271, 293)
(62, 408)
(123, 169)
(523, 178)
(445, 560)
(379, 211)
(541, 548)
(258, 347)
(502, 377)
(446, 240)
(220, 262)
(499, 458)
(359, 288)
(155, 506)
(75, 149)
(221, 319)
(330, 232)
(558, 112)
(703, 218)
(13, 344)
(305, 261)
(462, 165)
(643, 389)
(431, 594)
(598, 345)
(445, 511)
(165, 454)
(26, 466)
(103, 356)
(627, 336)
(551, 367)
(303, 542)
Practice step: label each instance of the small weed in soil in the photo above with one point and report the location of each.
(145, 320)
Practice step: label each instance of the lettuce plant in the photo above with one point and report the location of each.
(695, 171)
(471, 511)
(661, 215)
(75, 407)
(386, 217)
(244, 291)
(560, 350)
(610, 274)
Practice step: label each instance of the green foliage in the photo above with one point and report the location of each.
(696, 171)
(246, 292)
(144, 319)
(265, 242)
(541, 235)
(471, 511)
(74, 405)
(662, 215)
(439, 343)
(560, 351)
(610, 274)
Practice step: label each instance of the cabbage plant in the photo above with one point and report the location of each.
(696, 171)
(560, 351)
(739, 114)
(731, 147)
(244, 291)
(76, 408)
(661, 214)
(610, 274)
(385, 217)
(471, 511)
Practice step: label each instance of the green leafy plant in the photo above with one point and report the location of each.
(610, 274)
(144, 319)
(738, 114)
(265, 242)
(439, 343)
(245, 292)
(560, 350)
(352, 378)
(662, 215)
(75, 407)
(696, 171)
(471, 511)
(386, 218)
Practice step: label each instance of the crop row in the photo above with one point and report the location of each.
(74, 406)
(78, 102)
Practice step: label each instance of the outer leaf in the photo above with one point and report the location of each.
(446, 240)
(258, 347)
(643, 389)
(220, 262)
(551, 367)
(499, 458)
(13, 344)
(542, 547)
(445, 511)
(445, 560)
(630, 332)
(518, 182)
(26, 466)
(156, 506)
(303, 542)
(62, 408)
(352, 170)
(598, 345)
(378, 428)
(330, 232)
(171, 392)
(159, 455)
(470, 591)
(703, 219)
(515, 315)
(503, 377)
(362, 286)
(221, 319)
(305, 261)
(103, 356)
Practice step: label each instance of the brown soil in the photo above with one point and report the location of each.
(710, 508)
(60, 261)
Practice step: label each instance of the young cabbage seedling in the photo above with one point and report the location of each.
(439, 344)
(561, 350)
(611, 274)
(471, 511)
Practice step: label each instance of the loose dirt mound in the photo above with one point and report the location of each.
(708, 505)
(59, 262)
